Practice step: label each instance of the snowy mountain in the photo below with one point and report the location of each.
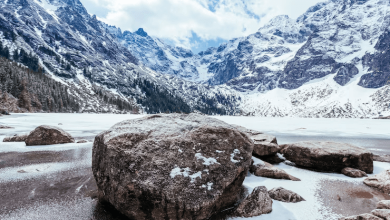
(78, 50)
(330, 62)
(338, 47)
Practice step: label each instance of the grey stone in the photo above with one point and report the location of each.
(16, 138)
(257, 203)
(285, 195)
(329, 156)
(384, 204)
(48, 135)
(380, 181)
(265, 169)
(351, 172)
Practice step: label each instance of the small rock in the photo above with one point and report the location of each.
(316, 155)
(48, 135)
(257, 203)
(5, 127)
(16, 138)
(365, 216)
(380, 181)
(351, 172)
(265, 144)
(382, 213)
(285, 195)
(59, 123)
(82, 141)
(264, 169)
(384, 204)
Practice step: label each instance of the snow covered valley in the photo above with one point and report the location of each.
(56, 181)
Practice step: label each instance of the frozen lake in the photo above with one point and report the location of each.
(56, 182)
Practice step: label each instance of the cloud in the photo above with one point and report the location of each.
(210, 20)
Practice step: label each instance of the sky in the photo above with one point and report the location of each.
(195, 24)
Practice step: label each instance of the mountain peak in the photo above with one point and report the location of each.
(141, 32)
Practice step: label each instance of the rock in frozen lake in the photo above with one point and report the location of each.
(172, 166)
(351, 172)
(380, 181)
(329, 156)
(16, 138)
(48, 135)
(257, 203)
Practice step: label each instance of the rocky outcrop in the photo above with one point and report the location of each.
(264, 169)
(47, 135)
(257, 203)
(384, 204)
(329, 156)
(285, 195)
(380, 181)
(174, 166)
(82, 141)
(365, 216)
(16, 138)
(382, 213)
(351, 172)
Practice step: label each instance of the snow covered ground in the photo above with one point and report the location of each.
(70, 171)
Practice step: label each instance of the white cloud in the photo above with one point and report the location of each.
(176, 20)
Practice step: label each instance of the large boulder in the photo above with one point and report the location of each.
(257, 203)
(329, 156)
(382, 213)
(264, 169)
(380, 181)
(351, 172)
(285, 195)
(384, 204)
(48, 135)
(174, 166)
(365, 216)
(16, 138)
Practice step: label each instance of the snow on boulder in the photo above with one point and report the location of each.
(48, 135)
(257, 203)
(380, 181)
(329, 156)
(285, 195)
(351, 172)
(16, 138)
(171, 166)
(264, 169)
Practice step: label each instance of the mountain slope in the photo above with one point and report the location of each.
(78, 50)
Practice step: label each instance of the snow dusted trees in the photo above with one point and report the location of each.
(35, 90)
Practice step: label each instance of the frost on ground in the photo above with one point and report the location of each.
(59, 188)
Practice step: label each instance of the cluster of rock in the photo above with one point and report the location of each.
(382, 212)
(43, 135)
(180, 166)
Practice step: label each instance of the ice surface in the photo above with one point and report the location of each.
(367, 128)
(89, 125)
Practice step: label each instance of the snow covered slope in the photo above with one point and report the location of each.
(333, 61)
